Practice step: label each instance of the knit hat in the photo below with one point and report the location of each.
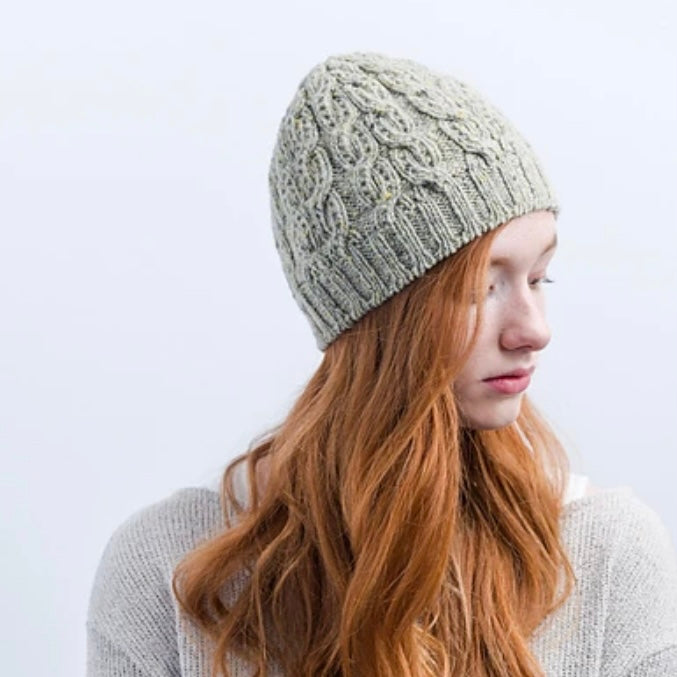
(381, 169)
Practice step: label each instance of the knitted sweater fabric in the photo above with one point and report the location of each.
(620, 621)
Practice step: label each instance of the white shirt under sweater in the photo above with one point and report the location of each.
(620, 621)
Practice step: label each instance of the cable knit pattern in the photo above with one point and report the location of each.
(621, 620)
(381, 169)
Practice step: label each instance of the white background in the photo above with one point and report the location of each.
(147, 332)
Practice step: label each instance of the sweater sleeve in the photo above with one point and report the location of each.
(131, 628)
(640, 638)
(104, 658)
(660, 664)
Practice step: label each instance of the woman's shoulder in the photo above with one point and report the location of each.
(131, 606)
(625, 598)
(608, 505)
(184, 516)
(626, 556)
(155, 535)
(620, 527)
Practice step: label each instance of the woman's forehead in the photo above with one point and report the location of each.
(530, 236)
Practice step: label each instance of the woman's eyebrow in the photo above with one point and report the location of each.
(505, 261)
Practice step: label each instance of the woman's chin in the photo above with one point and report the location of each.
(492, 416)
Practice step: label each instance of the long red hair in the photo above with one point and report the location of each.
(388, 540)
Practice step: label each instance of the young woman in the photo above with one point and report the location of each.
(413, 516)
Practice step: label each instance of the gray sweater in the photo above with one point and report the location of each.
(621, 620)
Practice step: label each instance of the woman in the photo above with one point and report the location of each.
(413, 516)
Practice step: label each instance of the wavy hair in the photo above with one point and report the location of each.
(381, 537)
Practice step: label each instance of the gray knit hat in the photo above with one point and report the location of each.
(381, 169)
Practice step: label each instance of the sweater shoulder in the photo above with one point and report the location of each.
(185, 517)
(623, 548)
(618, 510)
(622, 612)
(620, 523)
(153, 538)
(131, 603)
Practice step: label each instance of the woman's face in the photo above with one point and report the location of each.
(491, 385)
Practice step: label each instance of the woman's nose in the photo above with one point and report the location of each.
(525, 325)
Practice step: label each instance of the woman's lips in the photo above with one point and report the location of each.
(510, 385)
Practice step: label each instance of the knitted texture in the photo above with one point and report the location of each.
(620, 621)
(381, 169)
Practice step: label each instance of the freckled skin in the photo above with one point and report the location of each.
(514, 328)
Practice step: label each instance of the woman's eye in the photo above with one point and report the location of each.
(541, 280)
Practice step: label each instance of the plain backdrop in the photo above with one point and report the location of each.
(147, 333)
